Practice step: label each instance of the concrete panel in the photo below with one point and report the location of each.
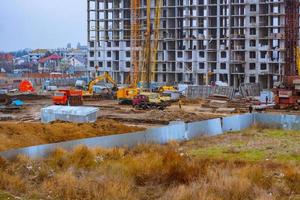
(32, 152)
(269, 119)
(167, 133)
(237, 122)
(291, 122)
(204, 91)
(121, 140)
(231, 124)
(39, 151)
(209, 127)
(246, 121)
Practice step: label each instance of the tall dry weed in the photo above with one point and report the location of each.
(178, 169)
(12, 183)
(83, 157)
(58, 159)
(291, 177)
(146, 172)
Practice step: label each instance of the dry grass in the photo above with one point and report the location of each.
(155, 172)
(147, 172)
(15, 135)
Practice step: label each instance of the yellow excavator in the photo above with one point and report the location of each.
(125, 95)
(107, 77)
(166, 88)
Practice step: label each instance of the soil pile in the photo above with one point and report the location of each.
(16, 135)
(174, 115)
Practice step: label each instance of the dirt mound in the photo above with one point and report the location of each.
(175, 115)
(187, 101)
(16, 135)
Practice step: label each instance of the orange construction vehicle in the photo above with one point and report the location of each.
(68, 97)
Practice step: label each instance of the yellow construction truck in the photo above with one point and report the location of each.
(150, 100)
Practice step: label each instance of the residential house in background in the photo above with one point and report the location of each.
(37, 54)
(6, 62)
(77, 64)
(50, 63)
(60, 60)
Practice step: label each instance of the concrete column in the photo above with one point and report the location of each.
(218, 76)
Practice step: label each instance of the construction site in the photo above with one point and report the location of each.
(185, 100)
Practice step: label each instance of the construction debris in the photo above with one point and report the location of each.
(203, 109)
(250, 89)
(226, 110)
(218, 104)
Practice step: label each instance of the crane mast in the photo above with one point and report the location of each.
(135, 41)
(156, 38)
(151, 42)
(146, 70)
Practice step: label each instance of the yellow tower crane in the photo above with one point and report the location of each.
(150, 47)
(126, 94)
(156, 38)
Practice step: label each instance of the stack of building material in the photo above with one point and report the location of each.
(205, 91)
(69, 114)
(250, 89)
(4, 117)
(223, 91)
(218, 104)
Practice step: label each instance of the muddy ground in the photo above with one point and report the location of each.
(110, 109)
(22, 127)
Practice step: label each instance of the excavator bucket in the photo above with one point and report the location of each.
(26, 86)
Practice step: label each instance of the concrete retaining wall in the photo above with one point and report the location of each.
(237, 122)
(290, 122)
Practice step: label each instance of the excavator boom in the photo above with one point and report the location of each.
(106, 76)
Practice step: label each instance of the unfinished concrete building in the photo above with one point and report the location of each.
(200, 41)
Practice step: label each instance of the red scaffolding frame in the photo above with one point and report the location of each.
(291, 36)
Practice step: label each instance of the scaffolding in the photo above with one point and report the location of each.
(291, 36)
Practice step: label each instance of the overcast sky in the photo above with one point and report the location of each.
(41, 23)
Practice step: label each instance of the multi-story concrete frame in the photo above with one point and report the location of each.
(234, 41)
